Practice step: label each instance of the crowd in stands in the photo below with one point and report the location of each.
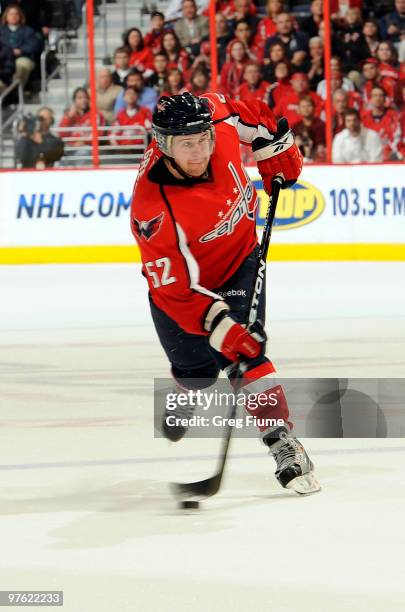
(267, 51)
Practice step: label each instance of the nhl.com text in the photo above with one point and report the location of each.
(214, 400)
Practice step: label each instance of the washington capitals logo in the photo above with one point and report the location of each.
(147, 229)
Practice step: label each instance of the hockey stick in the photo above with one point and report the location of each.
(210, 486)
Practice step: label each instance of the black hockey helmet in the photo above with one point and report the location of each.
(180, 115)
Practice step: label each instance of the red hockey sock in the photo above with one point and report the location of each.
(264, 400)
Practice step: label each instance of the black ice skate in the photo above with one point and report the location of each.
(175, 422)
(294, 467)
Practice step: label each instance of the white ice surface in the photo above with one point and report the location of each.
(84, 505)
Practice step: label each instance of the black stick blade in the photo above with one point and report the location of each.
(200, 489)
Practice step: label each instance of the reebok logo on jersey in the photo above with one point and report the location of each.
(147, 229)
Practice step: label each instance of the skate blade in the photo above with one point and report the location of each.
(305, 485)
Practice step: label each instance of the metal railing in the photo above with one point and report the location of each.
(122, 145)
(18, 111)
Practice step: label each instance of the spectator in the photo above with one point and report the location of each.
(315, 72)
(147, 95)
(122, 68)
(175, 83)
(31, 10)
(371, 37)
(351, 48)
(37, 147)
(393, 24)
(310, 131)
(243, 33)
(254, 86)
(191, 29)
(153, 39)
(107, 93)
(356, 144)
(141, 57)
(288, 105)
(384, 121)
(267, 26)
(401, 145)
(158, 80)
(232, 70)
(337, 80)
(78, 116)
(371, 79)
(132, 115)
(282, 86)
(223, 38)
(244, 9)
(175, 8)
(21, 40)
(276, 53)
(340, 8)
(310, 25)
(57, 15)
(340, 104)
(199, 82)
(177, 56)
(295, 42)
(388, 66)
(7, 66)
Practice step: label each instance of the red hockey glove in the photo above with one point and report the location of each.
(279, 156)
(228, 337)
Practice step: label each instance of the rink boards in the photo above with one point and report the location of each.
(333, 213)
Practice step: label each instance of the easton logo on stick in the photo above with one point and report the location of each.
(147, 229)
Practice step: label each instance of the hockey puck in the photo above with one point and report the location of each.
(189, 505)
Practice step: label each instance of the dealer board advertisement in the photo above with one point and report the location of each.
(329, 205)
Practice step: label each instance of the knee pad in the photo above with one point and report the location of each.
(196, 378)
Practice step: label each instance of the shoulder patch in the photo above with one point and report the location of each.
(147, 229)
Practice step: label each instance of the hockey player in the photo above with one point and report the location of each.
(193, 216)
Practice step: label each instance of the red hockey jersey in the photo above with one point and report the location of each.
(194, 234)
(142, 118)
(388, 128)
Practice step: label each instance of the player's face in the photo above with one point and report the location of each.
(192, 152)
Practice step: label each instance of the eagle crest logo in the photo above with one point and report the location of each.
(147, 229)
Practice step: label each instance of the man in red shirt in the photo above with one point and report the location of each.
(253, 87)
(193, 217)
(135, 116)
(384, 121)
(288, 107)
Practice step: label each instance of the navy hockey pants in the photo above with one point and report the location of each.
(190, 355)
